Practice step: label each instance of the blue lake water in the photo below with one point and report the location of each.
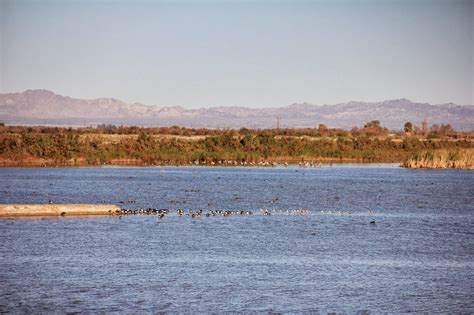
(417, 257)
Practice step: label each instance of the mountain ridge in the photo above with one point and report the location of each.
(47, 107)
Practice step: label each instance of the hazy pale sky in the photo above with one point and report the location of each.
(249, 53)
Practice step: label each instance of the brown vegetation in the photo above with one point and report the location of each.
(442, 158)
(33, 146)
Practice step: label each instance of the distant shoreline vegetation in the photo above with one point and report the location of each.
(121, 145)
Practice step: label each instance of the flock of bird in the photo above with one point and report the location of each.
(226, 213)
(261, 163)
(209, 213)
(233, 163)
(338, 212)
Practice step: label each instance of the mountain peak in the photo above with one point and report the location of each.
(38, 92)
(45, 107)
(404, 100)
(398, 101)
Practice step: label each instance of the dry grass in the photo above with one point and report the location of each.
(116, 138)
(461, 158)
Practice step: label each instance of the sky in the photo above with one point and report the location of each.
(240, 53)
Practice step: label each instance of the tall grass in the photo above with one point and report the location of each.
(442, 158)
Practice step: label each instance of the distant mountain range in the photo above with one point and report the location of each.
(45, 107)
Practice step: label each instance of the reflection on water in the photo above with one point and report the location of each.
(417, 257)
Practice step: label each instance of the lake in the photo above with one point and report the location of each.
(416, 257)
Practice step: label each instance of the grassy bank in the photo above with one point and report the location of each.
(460, 158)
(38, 146)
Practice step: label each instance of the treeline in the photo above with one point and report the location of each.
(175, 145)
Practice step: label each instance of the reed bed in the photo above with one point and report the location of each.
(441, 158)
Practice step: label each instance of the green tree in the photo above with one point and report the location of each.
(408, 128)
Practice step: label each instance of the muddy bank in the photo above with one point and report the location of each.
(136, 162)
(21, 210)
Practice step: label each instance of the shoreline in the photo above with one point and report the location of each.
(405, 165)
(268, 165)
(223, 162)
(270, 161)
(176, 146)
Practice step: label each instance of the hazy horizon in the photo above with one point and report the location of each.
(203, 107)
(197, 54)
